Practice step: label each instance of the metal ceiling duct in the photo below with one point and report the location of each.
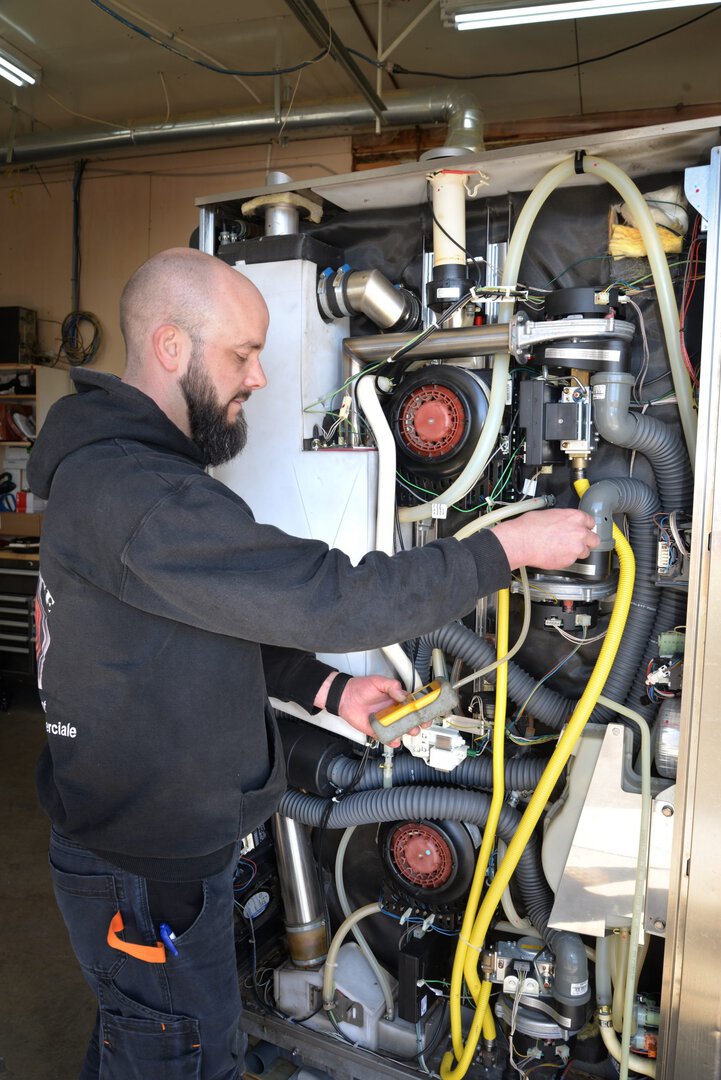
(461, 111)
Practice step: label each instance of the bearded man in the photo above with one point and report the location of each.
(166, 616)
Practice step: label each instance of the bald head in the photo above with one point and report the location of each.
(193, 327)
(181, 287)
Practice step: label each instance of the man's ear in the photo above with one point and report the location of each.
(171, 346)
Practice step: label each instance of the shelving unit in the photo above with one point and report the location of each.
(21, 399)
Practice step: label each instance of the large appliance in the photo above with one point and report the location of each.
(524, 888)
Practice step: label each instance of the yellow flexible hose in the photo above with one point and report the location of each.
(544, 789)
(483, 1015)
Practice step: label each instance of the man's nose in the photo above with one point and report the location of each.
(255, 376)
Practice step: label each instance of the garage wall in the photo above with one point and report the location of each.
(131, 208)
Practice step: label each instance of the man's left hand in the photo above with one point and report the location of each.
(365, 695)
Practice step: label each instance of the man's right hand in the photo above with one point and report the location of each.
(549, 539)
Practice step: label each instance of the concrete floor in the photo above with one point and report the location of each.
(46, 1009)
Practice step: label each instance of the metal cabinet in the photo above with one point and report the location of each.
(18, 581)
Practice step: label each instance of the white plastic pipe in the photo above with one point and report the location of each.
(380, 974)
(619, 988)
(642, 1065)
(501, 514)
(664, 289)
(339, 937)
(449, 208)
(367, 399)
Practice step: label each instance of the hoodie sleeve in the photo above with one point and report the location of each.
(294, 675)
(199, 557)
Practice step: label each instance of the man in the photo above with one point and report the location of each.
(165, 617)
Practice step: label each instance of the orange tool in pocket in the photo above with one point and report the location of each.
(151, 954)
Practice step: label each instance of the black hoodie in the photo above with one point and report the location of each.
(166, 615)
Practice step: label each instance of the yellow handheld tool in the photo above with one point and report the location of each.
(437, 698)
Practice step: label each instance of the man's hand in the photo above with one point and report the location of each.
(363, 696)
(550, 539)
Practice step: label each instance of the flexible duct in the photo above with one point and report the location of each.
(664, 288)
(460, 111)
(639, 502)
(635, 431)
(669, 316)
(608, 497)
(521, 773)
(670, 463)
(458, 640)
(418, 803)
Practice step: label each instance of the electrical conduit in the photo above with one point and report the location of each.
(546, 784)
(484, 855)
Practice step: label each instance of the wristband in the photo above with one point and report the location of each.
(335, 692)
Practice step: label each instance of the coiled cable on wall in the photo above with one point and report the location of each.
(73, 346)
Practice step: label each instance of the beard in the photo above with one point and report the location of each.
(218, 438)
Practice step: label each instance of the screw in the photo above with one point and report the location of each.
(667, 810)
(659, 924)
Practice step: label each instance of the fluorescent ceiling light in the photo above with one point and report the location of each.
(484, 16)
(18, 70)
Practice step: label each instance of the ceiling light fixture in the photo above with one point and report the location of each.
(484, 16)
(18, 69)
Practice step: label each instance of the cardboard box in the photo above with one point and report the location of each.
(20, 524)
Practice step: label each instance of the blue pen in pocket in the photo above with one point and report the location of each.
(168, 938)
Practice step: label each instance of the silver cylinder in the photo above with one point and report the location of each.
(281, 220)
(464, 341)
(305, 921)
(373, 294)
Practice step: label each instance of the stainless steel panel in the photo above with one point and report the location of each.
(690, 1034)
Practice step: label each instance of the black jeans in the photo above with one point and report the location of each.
(176, 1020)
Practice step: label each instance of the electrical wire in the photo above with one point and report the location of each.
(73, 345)
(391, 360)
(556, 667)
(691, 279)
(469, 258)
(219, 70)
(399, 69)
(574, 640)
(646, 359)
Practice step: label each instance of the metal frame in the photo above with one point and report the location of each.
(691, 1003)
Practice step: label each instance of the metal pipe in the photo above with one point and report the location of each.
(458, 110)
(371, 292)
(462, 341)
(305, 923)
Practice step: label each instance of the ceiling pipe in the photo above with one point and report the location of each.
(461, 111)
